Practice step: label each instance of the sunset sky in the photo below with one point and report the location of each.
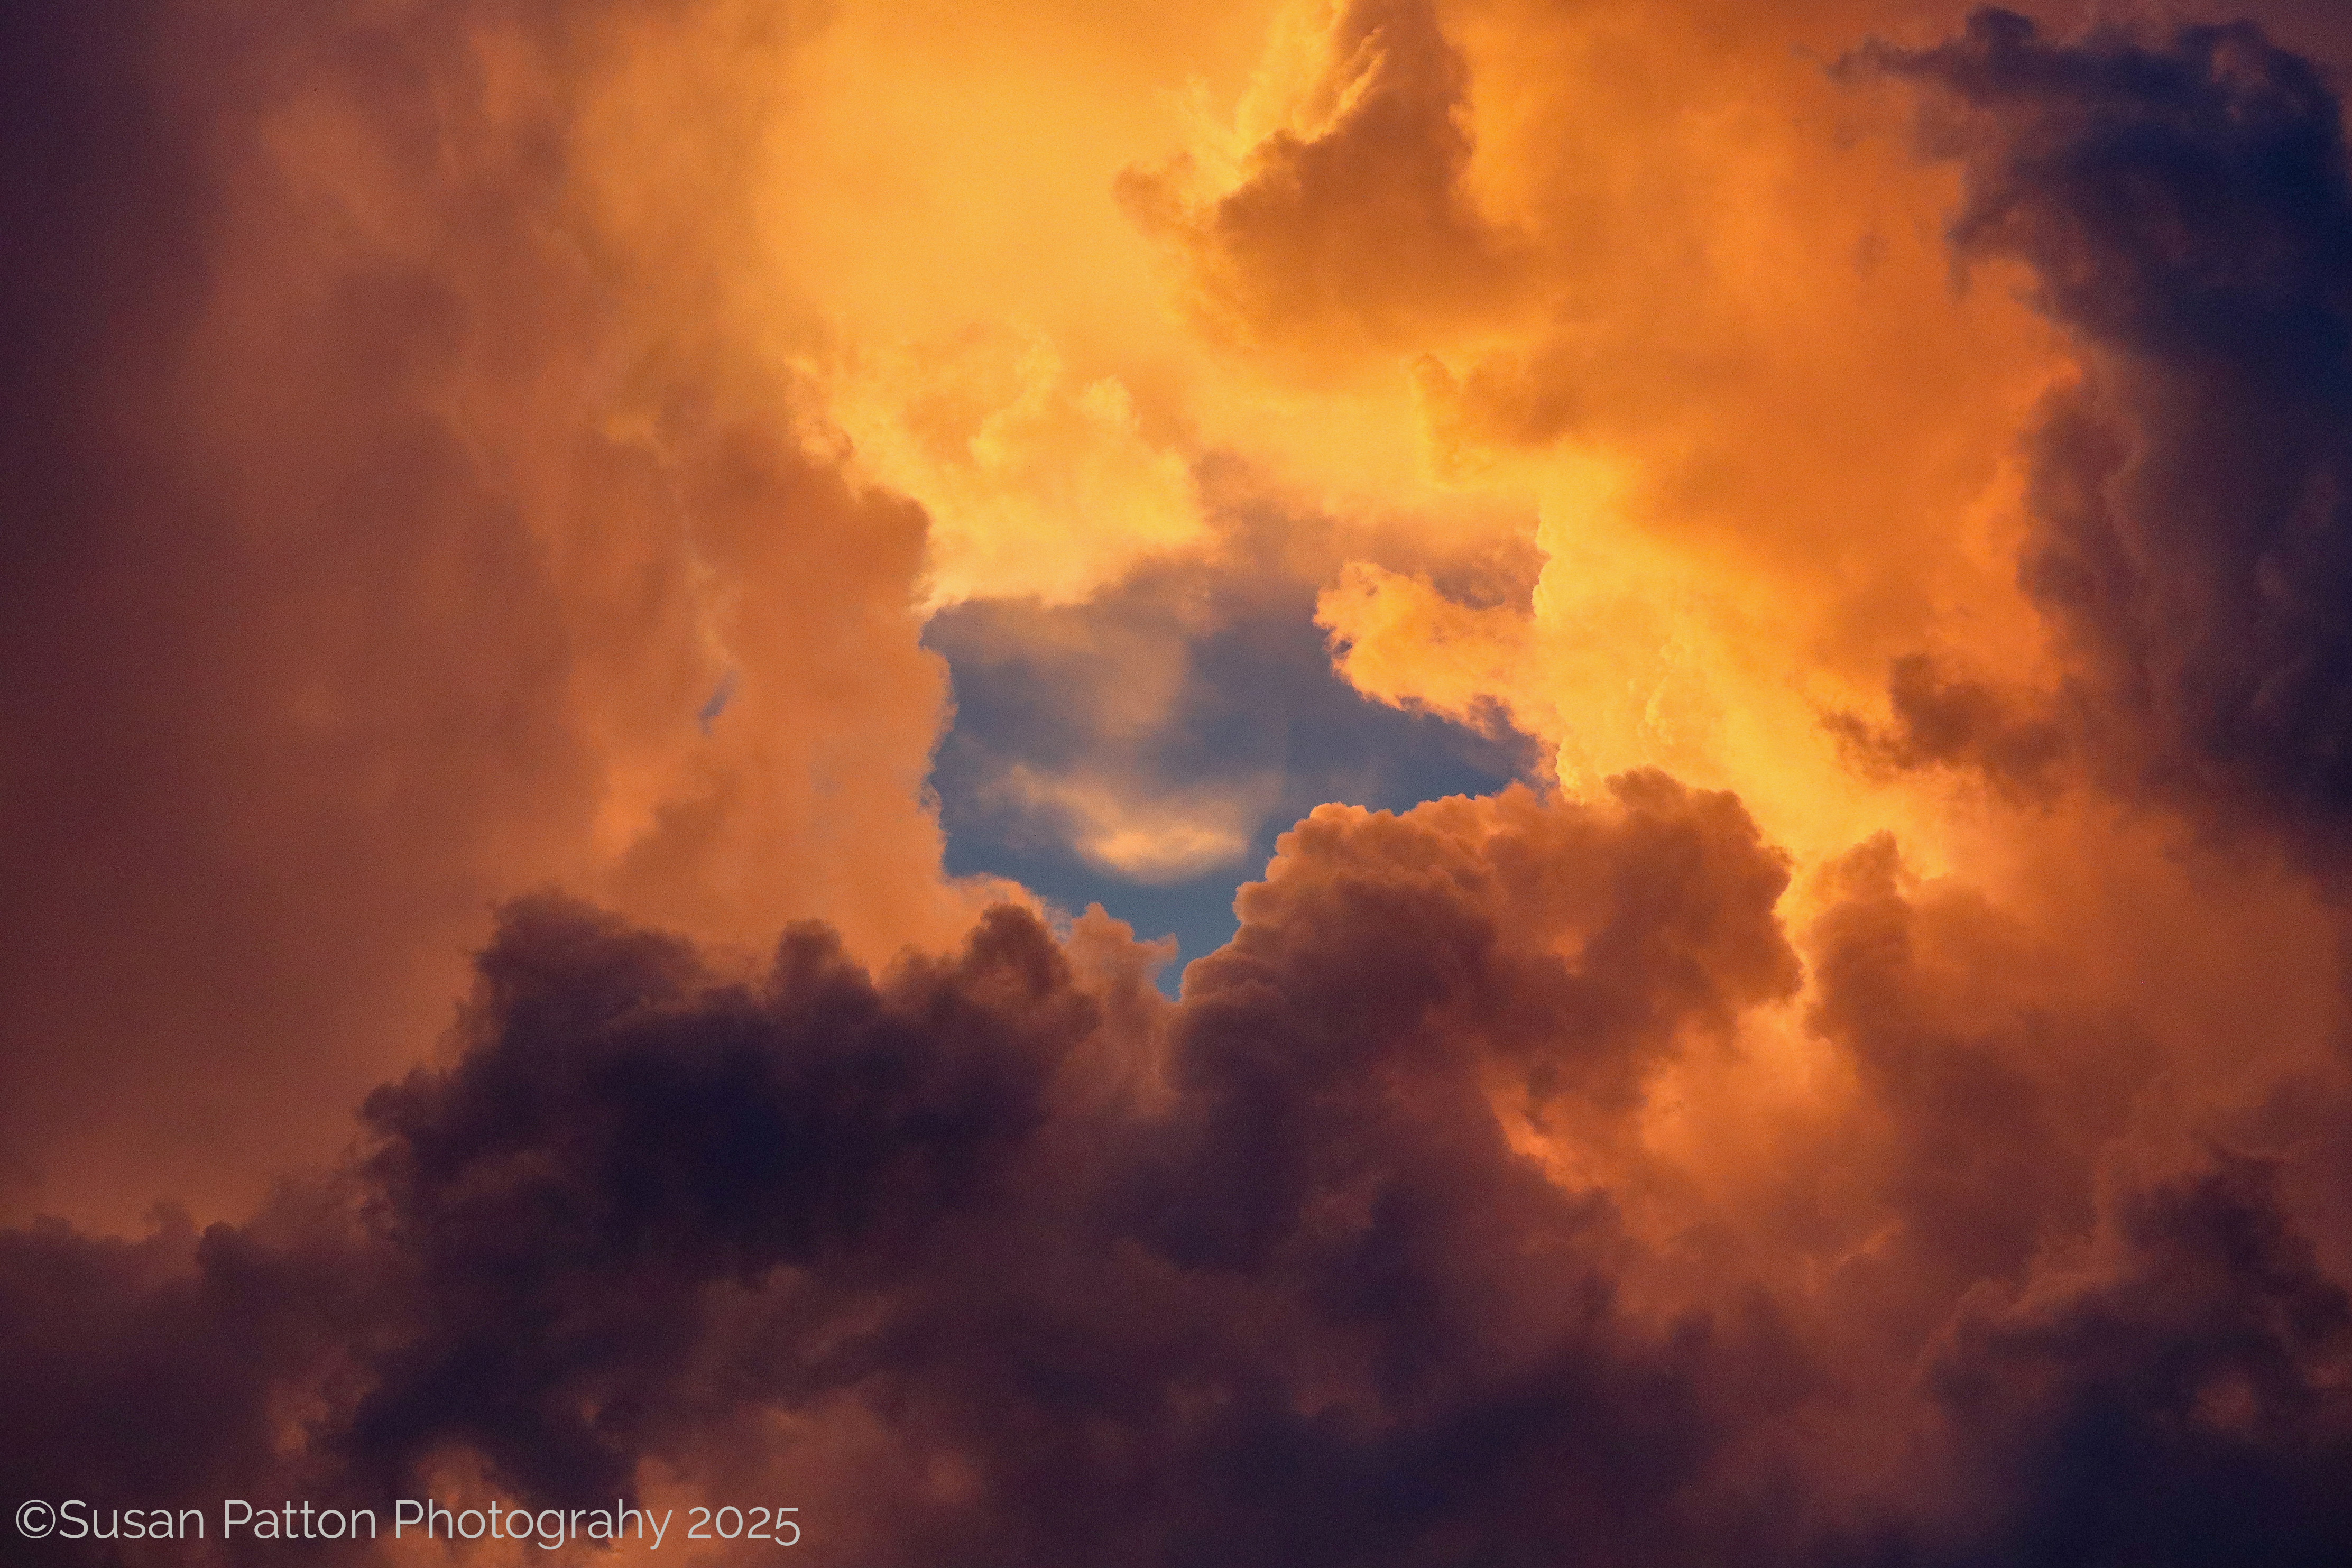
(1256, 782)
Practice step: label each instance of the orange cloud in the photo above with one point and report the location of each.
(512, 479)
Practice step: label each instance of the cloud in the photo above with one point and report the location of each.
(1159, 840)
(385, 482)
(1791, 1155)
(1364, 1250)
(1768, 447)
(2184, 1394)
(1260, 1273)
(2182, 206)
(1941, 720)
(1037, 485)
(1159, 735)
(1352, 216)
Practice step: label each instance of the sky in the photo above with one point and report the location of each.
(1387, 783)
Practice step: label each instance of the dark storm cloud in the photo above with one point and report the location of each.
(145, 1370)
(625, 1131)
(2184, 210)
(2183, 1400)
(998, 1256)
(1387, 962)
(1293, 1300)
(2122, 1342)
(1998, 1100)
(1254, 1279)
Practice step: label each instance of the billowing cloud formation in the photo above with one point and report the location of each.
(1001, 1254)
(2185, 209)
(384, 500)
(1253, 1277)
(473, 455)
(1350, 215)
(2191, 1403)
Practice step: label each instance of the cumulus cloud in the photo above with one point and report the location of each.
(2185, 1392)
(2182, 206)
(1257, 1273)
(1351, 215)
(1628, 1172)
(386, 493)
(998, 1253)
